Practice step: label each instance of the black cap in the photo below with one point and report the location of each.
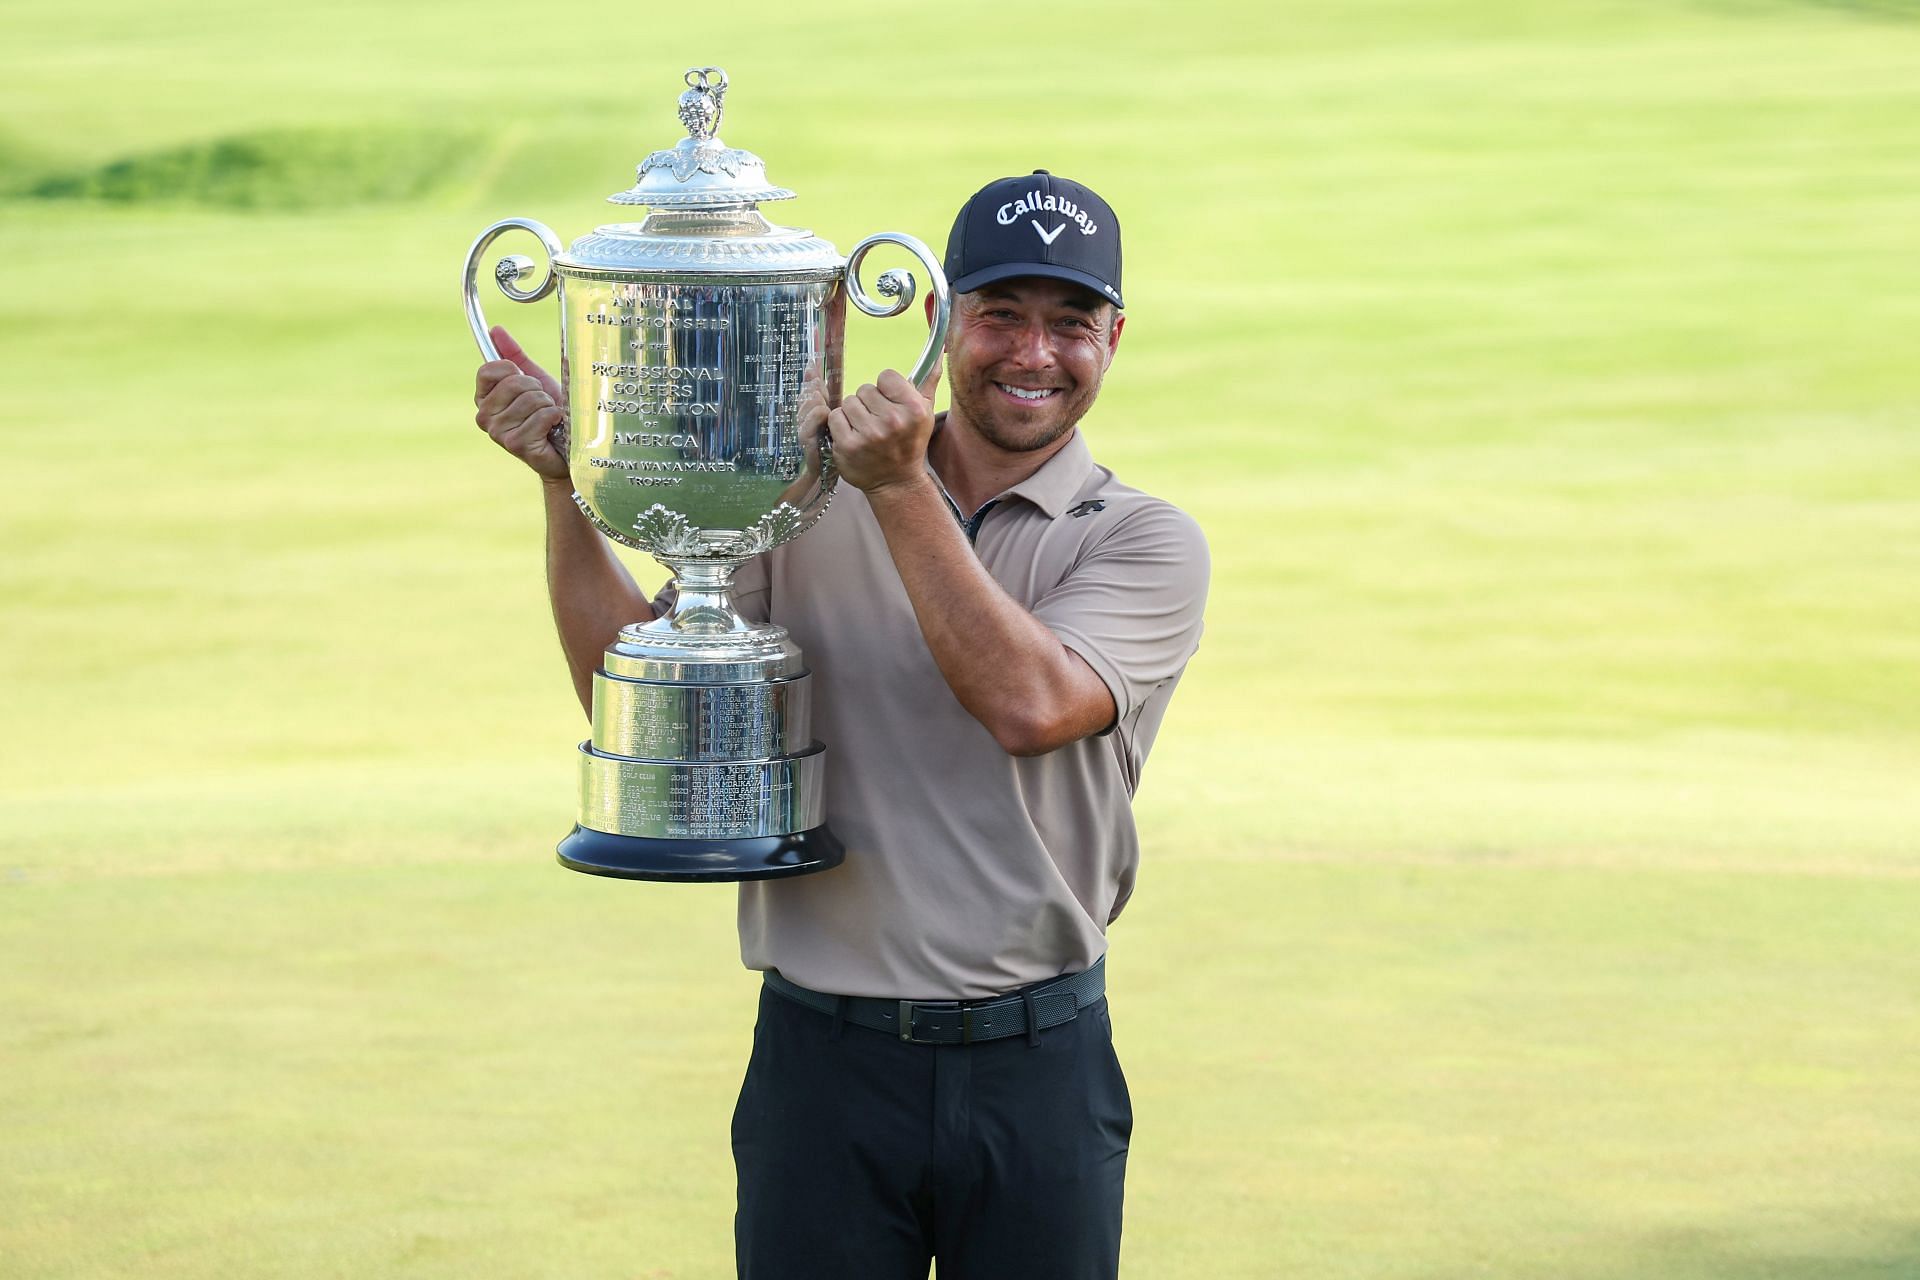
(1035, 226)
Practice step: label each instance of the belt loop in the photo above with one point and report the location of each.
(839, 1017)
(1033, 1018)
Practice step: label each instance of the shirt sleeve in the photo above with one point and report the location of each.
(1132, 605)
(751, 589)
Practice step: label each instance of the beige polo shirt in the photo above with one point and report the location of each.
(970, 872)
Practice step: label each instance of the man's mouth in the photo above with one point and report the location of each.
(1028, 395)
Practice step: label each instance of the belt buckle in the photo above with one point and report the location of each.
(942, 1006)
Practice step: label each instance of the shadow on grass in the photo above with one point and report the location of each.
(1884, 10)
(1880, 1255)
(1885, 1252)
(276, 169)
(1900, 10)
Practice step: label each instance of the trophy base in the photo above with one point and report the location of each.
(800, 853)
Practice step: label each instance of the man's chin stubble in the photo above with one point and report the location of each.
(1031, 445)
(987, 429)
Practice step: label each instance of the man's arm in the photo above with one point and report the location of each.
(592, 594)
(1007, 668)
(1009, 671)
(517, 404)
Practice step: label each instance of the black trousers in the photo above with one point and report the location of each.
(861, 1157)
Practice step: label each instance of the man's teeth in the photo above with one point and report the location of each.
(1027, 393)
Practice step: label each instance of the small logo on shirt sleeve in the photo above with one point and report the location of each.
(1087, 508)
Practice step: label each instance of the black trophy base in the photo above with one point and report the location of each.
(695, 861)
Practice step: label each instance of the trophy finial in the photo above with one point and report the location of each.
(700, 171)
(700, 105)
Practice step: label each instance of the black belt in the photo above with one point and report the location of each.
(1026, 1012)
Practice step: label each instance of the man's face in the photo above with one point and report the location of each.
(1025, 358)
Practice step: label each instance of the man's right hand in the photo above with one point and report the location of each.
(519, 406)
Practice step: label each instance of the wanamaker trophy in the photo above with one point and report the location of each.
(701, 353)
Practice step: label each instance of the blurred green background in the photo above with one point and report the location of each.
(1532, 877)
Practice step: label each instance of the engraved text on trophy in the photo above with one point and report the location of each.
(692, 394)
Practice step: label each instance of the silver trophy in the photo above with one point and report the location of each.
(701, 353)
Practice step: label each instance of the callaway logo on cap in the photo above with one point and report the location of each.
(1038, 225)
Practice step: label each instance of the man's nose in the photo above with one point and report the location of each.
(1033, 346)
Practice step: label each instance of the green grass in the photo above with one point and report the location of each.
(1533, 851)
(480, 1066)
(279, 169)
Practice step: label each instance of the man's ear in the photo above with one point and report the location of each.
(1113, 339)
(929, 308)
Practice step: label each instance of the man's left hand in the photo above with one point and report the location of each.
(880, 433)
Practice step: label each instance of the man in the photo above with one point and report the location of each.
(995, 625)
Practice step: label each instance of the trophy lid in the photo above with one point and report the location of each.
(701, 171)
(704, 218)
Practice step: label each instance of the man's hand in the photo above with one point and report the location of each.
(880, 433)
(519, 405)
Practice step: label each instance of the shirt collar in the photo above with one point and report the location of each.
(1054, 486)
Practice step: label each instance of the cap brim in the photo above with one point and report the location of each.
(1013, 270)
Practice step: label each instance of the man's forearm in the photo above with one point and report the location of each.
(1006, 667)
(592, 593)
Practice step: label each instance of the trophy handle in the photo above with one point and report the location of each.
(509, 273)
(899, 285)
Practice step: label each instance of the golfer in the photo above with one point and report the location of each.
(995, 625)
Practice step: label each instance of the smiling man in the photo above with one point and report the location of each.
(995, 625)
